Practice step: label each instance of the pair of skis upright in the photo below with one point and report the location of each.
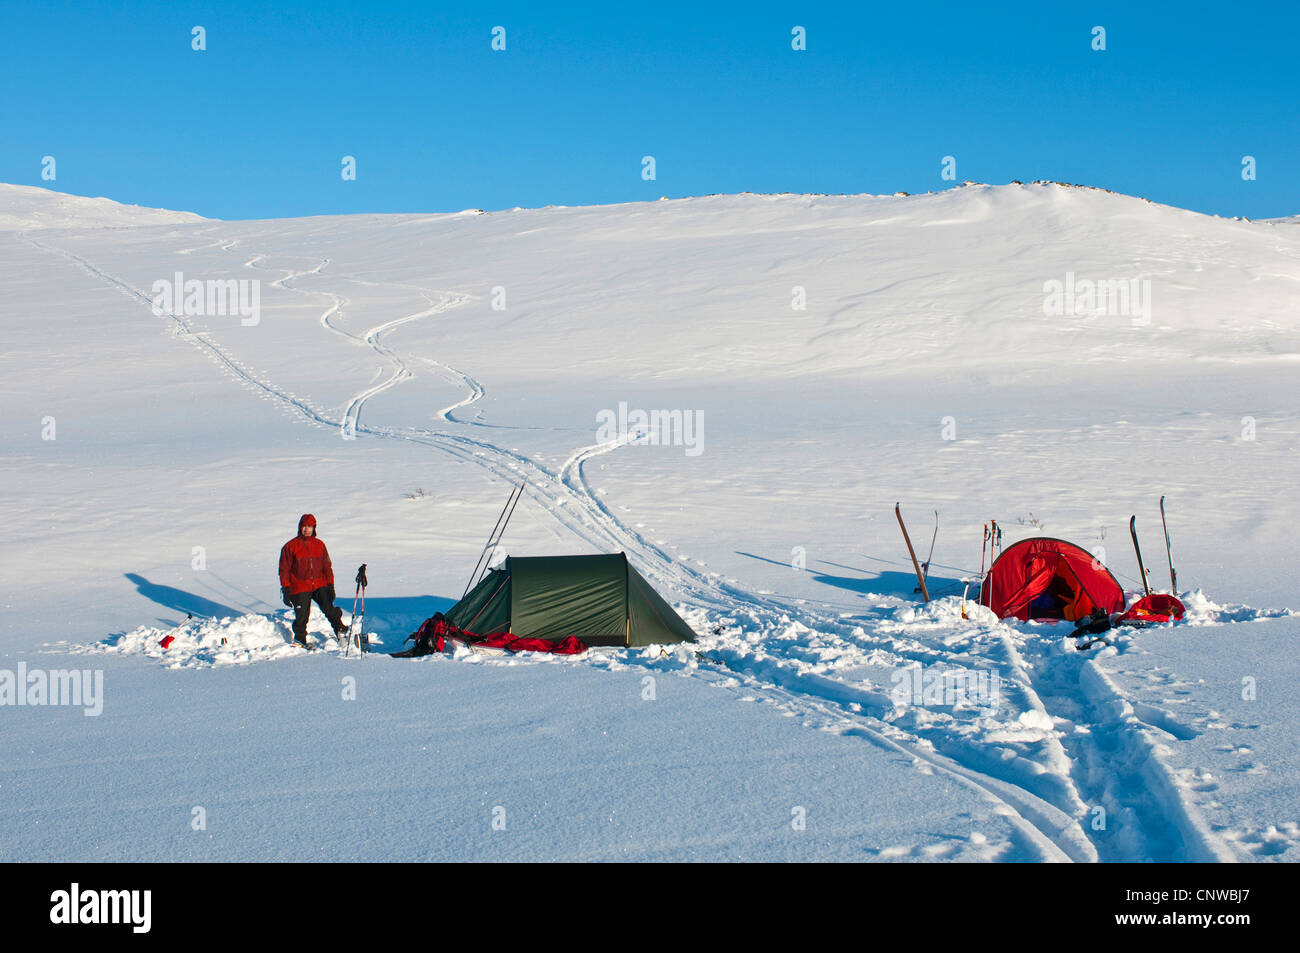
(922, 569)
(1169, 552)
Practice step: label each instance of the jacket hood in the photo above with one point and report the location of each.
(307, 520)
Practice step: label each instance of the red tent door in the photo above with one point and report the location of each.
(1051, 590)
(1045, 578)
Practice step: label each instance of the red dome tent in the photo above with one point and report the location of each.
(1045, 578)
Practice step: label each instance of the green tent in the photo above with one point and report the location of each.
(600, 599)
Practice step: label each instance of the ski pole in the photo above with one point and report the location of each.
(982, 549)
(360, 626)
(352, 620)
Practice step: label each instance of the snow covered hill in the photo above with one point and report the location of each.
(1055, 357)
(26, 207)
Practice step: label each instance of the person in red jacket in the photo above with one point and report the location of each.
(306, 574)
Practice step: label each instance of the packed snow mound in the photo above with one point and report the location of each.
(207, 643)
(25, 207)
(1203, 611)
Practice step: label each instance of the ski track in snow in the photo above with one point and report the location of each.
(1048, 781)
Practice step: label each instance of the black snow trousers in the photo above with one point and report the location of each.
(302, 611)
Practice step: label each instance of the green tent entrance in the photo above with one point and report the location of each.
(600, 599)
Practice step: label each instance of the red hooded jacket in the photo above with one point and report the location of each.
(305, 562)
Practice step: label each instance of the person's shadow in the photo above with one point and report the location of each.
(389, 613)
(178, 600)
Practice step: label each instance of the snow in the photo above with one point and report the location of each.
(206, 643)
(384, 388)
(24, 207)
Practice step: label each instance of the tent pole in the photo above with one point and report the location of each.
(503, 526)
(474, 575)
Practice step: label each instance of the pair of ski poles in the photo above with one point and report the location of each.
(991, 546)
(359, 622)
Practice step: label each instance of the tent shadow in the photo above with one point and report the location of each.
(887, 582)
(393, 615)
(901, 585)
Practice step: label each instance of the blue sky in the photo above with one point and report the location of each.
(256, 125)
